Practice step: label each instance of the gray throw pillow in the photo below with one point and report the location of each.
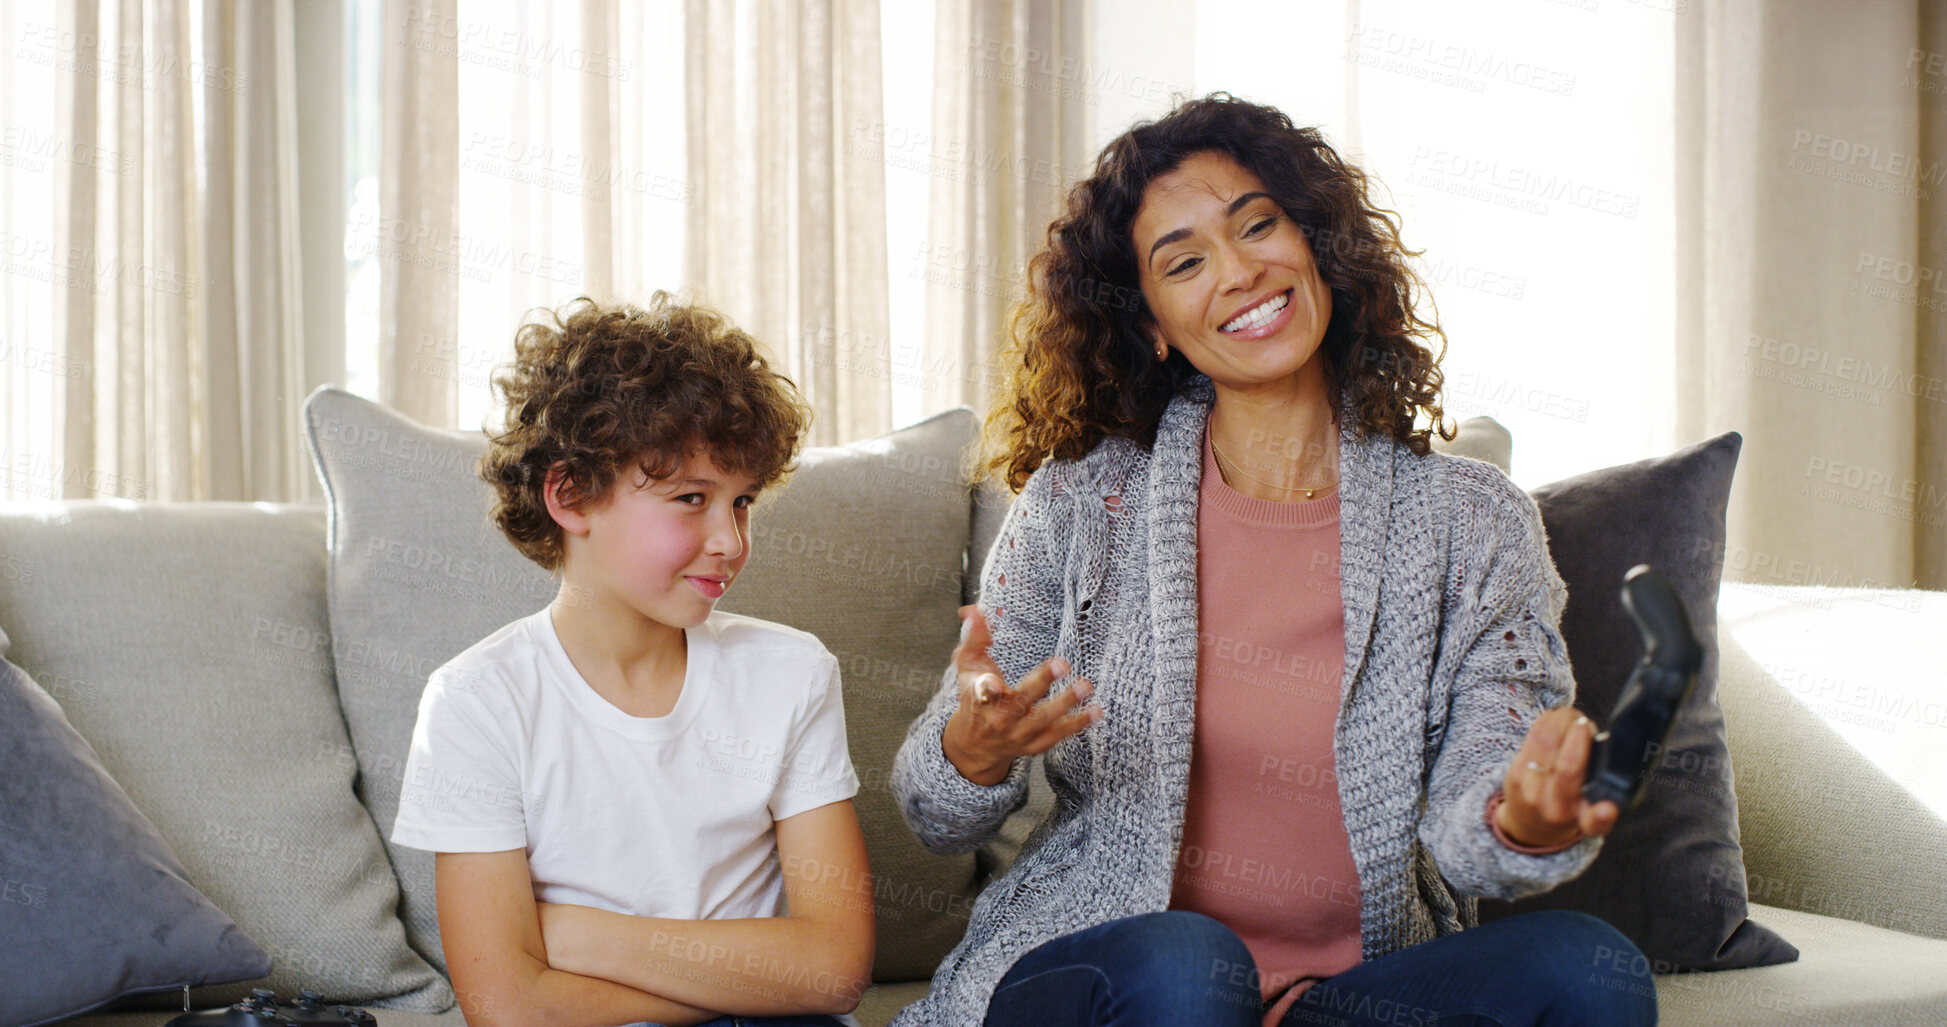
(1662, 876)
(93, 903)
(863, 547)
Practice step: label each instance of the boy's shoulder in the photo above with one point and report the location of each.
(738, 634)
(505, 660)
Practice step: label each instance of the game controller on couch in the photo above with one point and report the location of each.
(261, 1008)
(1620, 762)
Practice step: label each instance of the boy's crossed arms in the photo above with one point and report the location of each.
(515, 961)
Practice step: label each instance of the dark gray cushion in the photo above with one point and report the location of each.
(1671, 875)
(93, 904)
(864, 547)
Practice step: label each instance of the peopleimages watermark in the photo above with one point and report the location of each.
(1874, 491)
(1816, 361)
(23, 893)
(1926, 71)
(868, 355)
(22, 147)
(501, 49)
(46, 361)
(566, 171)
(13, 568)
(1068, 77)
(80, 53)
(1903, 281)
(79, 267)
(952, 159)
(1526, 189)
(1445, 63)
(1448, 271)
(1272, 883)
(472, 257)
(1863, 164)
(36, 476)
(1467, 391)
(1883, 707)
(1781, 569)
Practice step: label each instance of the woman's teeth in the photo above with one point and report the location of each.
(1258, 316)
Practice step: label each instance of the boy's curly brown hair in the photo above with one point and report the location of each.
(599, 389)
(1079, 366)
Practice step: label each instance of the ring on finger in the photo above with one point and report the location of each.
(1533, 766)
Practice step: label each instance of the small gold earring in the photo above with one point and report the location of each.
(1162, 352)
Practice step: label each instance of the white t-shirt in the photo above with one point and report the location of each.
(667, 816)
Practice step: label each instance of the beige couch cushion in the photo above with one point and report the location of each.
(1847, 975)
(187, 644)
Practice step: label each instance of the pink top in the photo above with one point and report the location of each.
(1264, 844)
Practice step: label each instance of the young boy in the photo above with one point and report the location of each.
(627, 790)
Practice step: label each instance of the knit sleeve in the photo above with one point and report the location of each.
(1021, 597)
(1505, 624)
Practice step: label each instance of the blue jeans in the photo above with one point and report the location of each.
(1533, 970)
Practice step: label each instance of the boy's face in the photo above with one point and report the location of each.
(667, 550)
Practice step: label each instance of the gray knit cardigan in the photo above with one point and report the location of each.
(1452, 649)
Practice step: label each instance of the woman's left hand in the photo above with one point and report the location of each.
(1541, 798)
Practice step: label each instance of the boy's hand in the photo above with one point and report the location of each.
(996, 724)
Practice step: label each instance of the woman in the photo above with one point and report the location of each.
(1278, 790)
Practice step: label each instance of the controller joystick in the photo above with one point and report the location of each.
(261, 1009)
(1619, 762)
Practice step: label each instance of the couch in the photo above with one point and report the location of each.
(241, 670)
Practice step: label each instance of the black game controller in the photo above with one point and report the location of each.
(1619, 763)
(261, 1009)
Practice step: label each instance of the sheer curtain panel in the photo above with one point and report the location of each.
(1811, 281)
(150, 192)
(787, 234)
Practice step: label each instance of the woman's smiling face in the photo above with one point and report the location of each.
(1229, 277)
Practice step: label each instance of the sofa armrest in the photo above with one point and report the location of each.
(1835, 705)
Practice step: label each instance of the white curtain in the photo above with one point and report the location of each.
(151, 341)
(416, 232)
(526, 154)
(788, 232)
(1812, 281)
(1011, 123)
(534, 153)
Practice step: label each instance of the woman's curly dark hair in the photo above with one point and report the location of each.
(598, 389)
(1079, 367)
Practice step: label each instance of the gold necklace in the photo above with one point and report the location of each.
(1239, 468)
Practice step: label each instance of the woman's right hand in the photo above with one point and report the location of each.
(996, 724)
